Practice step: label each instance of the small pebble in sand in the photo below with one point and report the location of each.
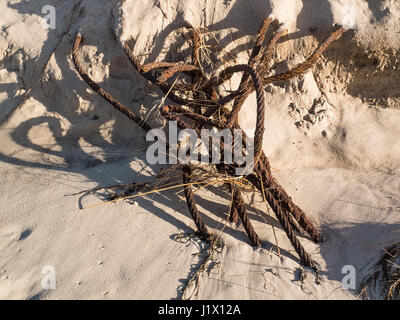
(102, 246)
(105, 293)
(79, 283)
(100, 263)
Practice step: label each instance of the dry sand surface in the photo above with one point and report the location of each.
(332, 136)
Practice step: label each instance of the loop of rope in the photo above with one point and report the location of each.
(287, 212)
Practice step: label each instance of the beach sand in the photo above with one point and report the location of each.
(332, 137)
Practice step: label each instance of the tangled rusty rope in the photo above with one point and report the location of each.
(198, 107)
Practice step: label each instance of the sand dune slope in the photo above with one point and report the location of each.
(332, 136)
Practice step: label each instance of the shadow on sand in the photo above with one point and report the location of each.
(87, 124)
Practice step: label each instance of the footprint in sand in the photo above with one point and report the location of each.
(12, 234)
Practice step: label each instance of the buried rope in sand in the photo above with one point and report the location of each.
(207, 105)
